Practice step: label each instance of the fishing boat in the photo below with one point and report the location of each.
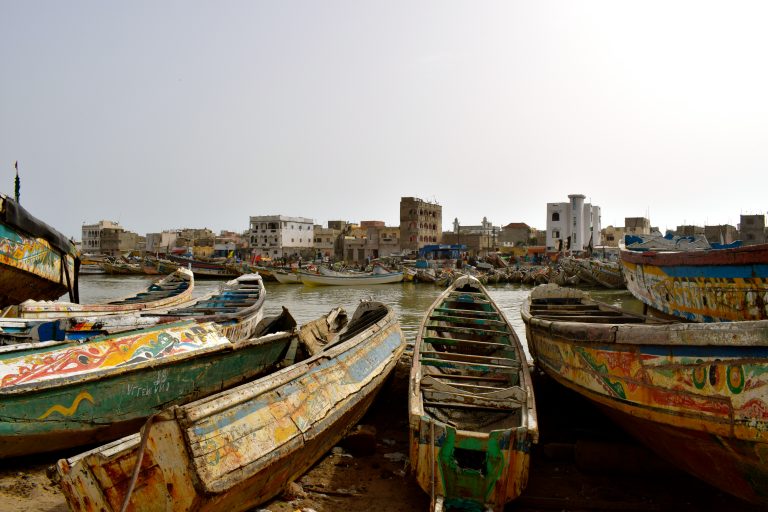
(206, 269)
(239, 448)
(36, 261)
(472, 413)
(344, 279)
(236, 307)
(693, 392)
(165, 293)
(701, 284)
(60, 394)
(605, 273)
(284, 277)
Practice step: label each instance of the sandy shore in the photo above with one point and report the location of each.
(582, 463)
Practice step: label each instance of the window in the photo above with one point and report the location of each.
(555, 234)
(555, 216)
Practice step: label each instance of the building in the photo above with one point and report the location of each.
(752, 229)
(420, 223)
(326, 241)
(689, 230)
(280, 236)
(479, 239)
(573, 226)
(117, 241)
(92, 234)
(613, 235)
(516, 233)
(161, 243)
(723, 234)
(369, 241)
(637, 226)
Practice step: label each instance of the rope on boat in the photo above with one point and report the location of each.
(139, 457)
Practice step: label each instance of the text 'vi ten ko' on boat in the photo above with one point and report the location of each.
(472, 412)
(239, 448)
(695, 393)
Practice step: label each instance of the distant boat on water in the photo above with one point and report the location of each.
(36, 261)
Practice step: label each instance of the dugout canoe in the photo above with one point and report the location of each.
(59, 395)
(237, 449)
(36, 261)
(693, 392)
(472, 412)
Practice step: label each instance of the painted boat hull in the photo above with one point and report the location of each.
(175, 290)
(40, 266)
(287, 277)
(470, 443)
(238, 449)
(69, 395)
(702, 286)
(321, 280)
(692, 392)
(236, 307)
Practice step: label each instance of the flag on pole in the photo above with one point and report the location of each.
(17, 187)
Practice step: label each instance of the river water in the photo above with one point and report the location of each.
(410, 300)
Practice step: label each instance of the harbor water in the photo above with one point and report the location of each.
(409, 300)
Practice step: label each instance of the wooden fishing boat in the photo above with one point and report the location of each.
(284, 277)
(704, 285)
(236, 307)
(237, 449)
(604, 273)
(170, 291)
(36, 261)
(121, 267)
(694, 393)
(206, 269)
(59, 395)
(472, 412)
(311, 279)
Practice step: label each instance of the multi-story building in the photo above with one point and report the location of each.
(163, 242)
(371, 240)
(516, 233)
(326, 241)
(612, 235)
(117, 241)
(479, 239)
(91, 241)
(637, 226)
(724, 234)
(752, 229)
(280, 236)
(689, 230)
(573, 226)
(420, 223)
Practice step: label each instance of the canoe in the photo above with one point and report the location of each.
(167, 292)
(36, 261)
(236, 307)
(239, 448)
(287, 277)
(205, 269)
(605, 274)
(472, 412)
(704, 285)
(693, 392)
(60, 395)
(311, 279)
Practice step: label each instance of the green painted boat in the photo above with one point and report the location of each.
(36, 261)
(472, 413)
(57, 395)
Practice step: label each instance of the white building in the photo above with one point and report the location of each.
(91, 243)
(278, 236)
(573, 226)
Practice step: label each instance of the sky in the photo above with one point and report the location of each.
(172, 114)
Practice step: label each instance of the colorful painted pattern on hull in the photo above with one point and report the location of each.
(98, 391)
(702, 406)
(722, 289)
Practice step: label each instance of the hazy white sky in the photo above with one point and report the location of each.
(163, 114)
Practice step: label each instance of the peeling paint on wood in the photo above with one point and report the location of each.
(695, 393)
(239, 448)
(472, 409)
